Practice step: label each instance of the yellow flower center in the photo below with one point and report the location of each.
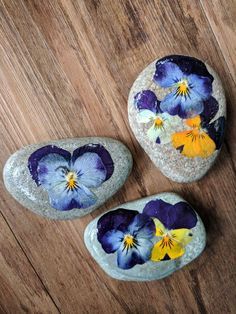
(166, 241)
(129, 241)
(158, 122)
(182, 88)
(71, 180)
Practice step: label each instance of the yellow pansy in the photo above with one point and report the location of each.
(195, 142)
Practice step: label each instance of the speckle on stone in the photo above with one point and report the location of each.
(177, 113)
(69, 178)
(147, 239)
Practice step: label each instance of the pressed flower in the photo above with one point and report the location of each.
(173, 228)
(190, 85)
(68, 178)
(129, 234)
(161, 123)
(203, 138)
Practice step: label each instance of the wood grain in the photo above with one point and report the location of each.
(66, 68)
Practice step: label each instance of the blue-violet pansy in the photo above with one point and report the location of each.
(68, 178)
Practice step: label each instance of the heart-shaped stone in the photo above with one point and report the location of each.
(68, 178)
(177, 112)
(146, 239)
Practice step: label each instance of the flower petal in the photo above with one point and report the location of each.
(188, 65)
(51, 171)
(211, 107)
(147, 99)
(153, 133)
(36, 156)
(192, 145)
(160, 229)
(182, 106)
(173, 250)
(101, 152)
(216, 131)
(142, 226)
(127, 259)
(180, 215)
(146, 116)
(111, 241)
(90, 170)
(118, 219)
(167, 74)
(64, 199)
(183, 236)
(200, 86)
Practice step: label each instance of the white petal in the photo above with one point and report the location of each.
(146, 116)
(153, 133)
(165, 137)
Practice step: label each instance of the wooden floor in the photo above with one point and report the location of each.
(66, 67)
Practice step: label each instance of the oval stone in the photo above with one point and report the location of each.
(177, 112)
(147, 239)
(67, 178)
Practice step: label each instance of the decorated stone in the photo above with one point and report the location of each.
(147, 239)
(67, 178)
(177, 112)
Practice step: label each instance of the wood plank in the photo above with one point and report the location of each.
(65, 70)
(21, 289)
(221, 16)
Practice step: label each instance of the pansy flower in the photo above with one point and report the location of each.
(190, 85)
(129, 234)
(68, 178)
(203, 137)
(161, 123)
(173, 228)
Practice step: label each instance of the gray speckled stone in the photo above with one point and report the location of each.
(150, 270)
(23, 188)
(168, 159)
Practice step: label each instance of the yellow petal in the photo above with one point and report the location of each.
(176, 250)
(183, 236)
(194, 122)
(158, 252)
(160, 229)
(194, 143)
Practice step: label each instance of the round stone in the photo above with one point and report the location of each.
(177, 112)
(68, 178)
(147, 239)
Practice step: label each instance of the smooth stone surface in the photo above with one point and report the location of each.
(23, 188)
(166, 155)
(149, 270)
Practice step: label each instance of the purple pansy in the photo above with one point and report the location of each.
(129, 234)
(190, 83)
(68, 177)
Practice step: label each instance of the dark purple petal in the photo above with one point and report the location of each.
(211, 108)
(180, 215)
(216, 131)
(118, 219)
(158, 209)
(102, 153)
(36, 156)
(147, 100)
(188, 65)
